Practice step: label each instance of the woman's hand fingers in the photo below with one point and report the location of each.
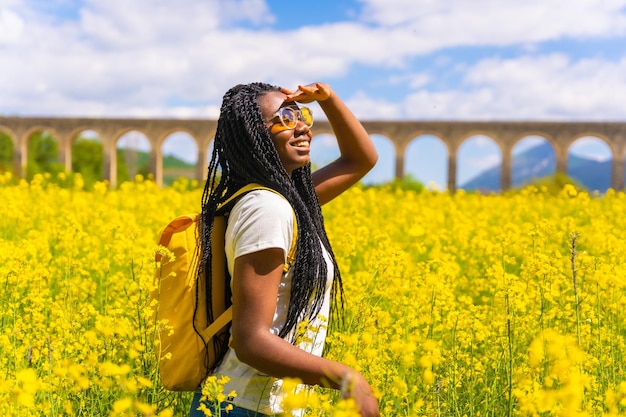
(308, 93)
(357, 388)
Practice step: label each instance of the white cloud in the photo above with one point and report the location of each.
(595, 156)
(414, 81)
(591, 148)
(481, 141)
(498, 21)
(122, 24)
(484, 162)
(140, 55)
(11, 27)
(550, 87)
(527, 143)
(254, 11)
(554, 86)
(366, 107)
(155, 59)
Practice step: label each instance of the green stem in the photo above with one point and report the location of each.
(573, 241)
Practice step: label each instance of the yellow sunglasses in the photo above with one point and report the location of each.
(289, 117)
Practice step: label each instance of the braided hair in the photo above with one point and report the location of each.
(243, 153)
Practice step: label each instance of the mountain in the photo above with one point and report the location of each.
(538, 162)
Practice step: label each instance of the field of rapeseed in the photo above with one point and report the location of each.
(463, 305)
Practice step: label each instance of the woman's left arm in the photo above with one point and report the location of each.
(358, 154)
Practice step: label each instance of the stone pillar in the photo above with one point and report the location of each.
(506, 170)
(109, 162)
(65, 151)
(561, 146)
(452, 170)
(156, 163)
(617, 174)
(399, 150)
(201, 163)
(399, 174)
(617, 171)
(400, 140)
(20, 155)
(505, 141)
(453, 140)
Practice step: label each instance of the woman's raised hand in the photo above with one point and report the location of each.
(308, 93)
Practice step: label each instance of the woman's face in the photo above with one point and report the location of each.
(293, 145)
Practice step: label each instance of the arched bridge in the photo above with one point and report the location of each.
(561, 135)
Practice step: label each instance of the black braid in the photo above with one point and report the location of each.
(243, 153)
(303, 181)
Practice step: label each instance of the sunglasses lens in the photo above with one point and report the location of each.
(307, 116)
(288, 117)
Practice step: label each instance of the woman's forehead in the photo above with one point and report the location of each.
(271, 102)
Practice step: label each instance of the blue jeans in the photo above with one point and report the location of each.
(235, 412)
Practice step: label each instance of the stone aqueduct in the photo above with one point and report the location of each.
(561, 135)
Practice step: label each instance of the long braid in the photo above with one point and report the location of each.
(302, 179)
(244, 153)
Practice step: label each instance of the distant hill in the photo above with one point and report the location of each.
(169, 161)
(539, 162)
(536, 162)
(173, 167)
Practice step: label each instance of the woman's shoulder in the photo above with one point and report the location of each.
(263, 202)
(261, 219)
(263, 196)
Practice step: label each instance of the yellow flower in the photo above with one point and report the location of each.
(26, 377)
(453, 301)
(122, 405)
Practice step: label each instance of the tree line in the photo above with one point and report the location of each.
(87, 158)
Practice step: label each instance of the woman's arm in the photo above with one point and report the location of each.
(255, 290)
(358, 154)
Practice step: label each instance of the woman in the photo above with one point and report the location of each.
(264, 137)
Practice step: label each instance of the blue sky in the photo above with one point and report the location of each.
(388, 59)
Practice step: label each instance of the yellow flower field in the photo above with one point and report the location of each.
(458, 305)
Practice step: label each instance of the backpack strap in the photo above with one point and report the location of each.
(291, 255)
(227, 316)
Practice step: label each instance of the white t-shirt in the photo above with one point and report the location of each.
(261, 220)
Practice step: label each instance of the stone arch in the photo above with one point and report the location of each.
(399, 137)
(324, 149)
(204, 165)
(423, 166)
(533, 157)
(120, 134)
(187, 152)
(619, 177)
(33, 158)
(483, 172)
(131, 157)
(535, 135)
(25, 141)
(68, 142)
(385, 167)
(8, 139)
(71, 159)
(7, 131)
(596, 136)
(209, 150)
(452, 133)
(167, 133)
(599, 165)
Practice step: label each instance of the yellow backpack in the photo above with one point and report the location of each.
(181, 299)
